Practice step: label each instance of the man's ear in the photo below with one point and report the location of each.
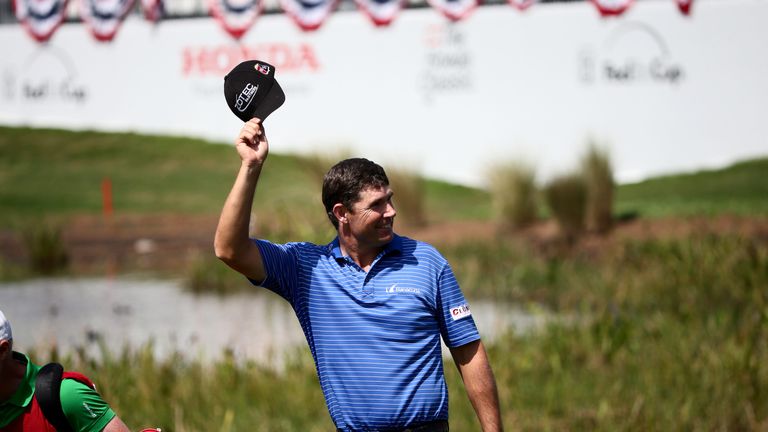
(340, 213)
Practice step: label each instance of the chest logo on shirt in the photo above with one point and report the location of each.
(395, 289)
(461, 311)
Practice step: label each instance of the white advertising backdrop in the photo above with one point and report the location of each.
(664, 92)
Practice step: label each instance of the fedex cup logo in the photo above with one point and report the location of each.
(246, 97)
(633, 52)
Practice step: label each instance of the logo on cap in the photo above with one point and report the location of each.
(262, 68)
(246, 97)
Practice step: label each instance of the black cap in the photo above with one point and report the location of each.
(252, 91)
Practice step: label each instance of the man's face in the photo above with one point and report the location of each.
(372, 217)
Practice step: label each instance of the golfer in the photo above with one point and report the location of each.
(373, 305)
(82, 409)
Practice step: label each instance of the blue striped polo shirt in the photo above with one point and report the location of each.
(374, 336)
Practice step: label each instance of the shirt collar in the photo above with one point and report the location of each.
(23, 395)
(335, 248)
(396, 245)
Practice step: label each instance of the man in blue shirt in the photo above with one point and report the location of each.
(373, 305)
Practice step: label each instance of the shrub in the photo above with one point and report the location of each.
(210, 275)
(9, 271)
(513, 191)
(566, 197)
(45, 247)
(598, 176)
(282, 223)
(409, 188)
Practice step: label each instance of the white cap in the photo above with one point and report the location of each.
(5, 328)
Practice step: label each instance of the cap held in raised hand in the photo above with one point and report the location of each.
(252, 91)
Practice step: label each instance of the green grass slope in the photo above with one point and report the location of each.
(741, 188)
(55, 173)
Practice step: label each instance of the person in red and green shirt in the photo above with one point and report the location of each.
(83, 407)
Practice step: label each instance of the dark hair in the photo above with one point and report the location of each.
(345, 180)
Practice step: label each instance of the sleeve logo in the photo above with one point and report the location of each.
(460, 312)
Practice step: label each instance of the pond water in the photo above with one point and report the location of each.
(258, 325)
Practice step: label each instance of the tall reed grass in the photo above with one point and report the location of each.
(676, 338)
(10, 271)
(410, 195)
(182, 395)
(707, 268)
(513, 191)
(666, 335)
(45, 248)
(282, 223)
(598, 176)
(566, 197)
(207, 274)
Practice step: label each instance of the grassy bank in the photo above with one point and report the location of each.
(738, 189)
(56, 173)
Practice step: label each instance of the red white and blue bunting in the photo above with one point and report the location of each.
(522, 4)
(381, 12)
(153, 10)
(308, 14)
(685, 6)
(455, 10)
(235, 16)
(612, 7)
(104, 17)
(40, 18)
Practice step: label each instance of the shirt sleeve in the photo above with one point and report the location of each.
(84, 407)
(457, 326)
(281, 264)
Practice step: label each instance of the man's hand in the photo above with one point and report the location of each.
(252, 144)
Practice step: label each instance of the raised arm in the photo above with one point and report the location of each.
(475, 370)
(232, 243)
